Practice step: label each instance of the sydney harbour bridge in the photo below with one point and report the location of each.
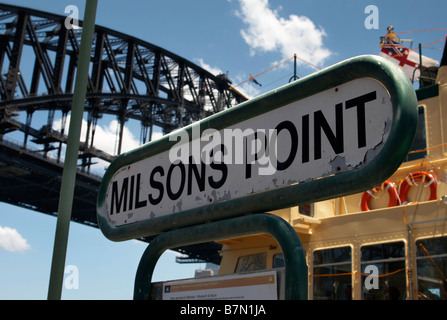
(130, 80)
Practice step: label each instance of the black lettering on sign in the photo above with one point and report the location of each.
(121, 200)
(132, 183)
(138, 203)
(169, 179)
(199, 177)
(247, 158)
(305, 139)
(184, 179)
(359, 102)
(220, 166)
(117, 202)
(156, 185)
(336, 140)
(289, 126)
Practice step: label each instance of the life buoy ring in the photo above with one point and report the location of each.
(388, 186)
(412, 180)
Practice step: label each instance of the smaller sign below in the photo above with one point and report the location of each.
(253, 286)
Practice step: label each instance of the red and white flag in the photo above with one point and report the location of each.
(407, 59)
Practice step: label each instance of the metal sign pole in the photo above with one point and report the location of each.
(296, 272)
(71, 156)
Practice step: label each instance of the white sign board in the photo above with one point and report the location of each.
(334, 131)
(339, 131)
(256, 286)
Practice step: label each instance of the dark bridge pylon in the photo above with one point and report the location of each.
(129, 78)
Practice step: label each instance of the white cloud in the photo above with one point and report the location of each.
(214, 70)
(105, 139)
(11, 240)
(266, 31)
(105, 135)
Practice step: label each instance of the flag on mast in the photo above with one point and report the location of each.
(409, 60)
(252, 79)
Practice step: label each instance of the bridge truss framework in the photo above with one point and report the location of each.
(129, 80)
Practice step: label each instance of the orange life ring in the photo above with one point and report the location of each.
(387, 186)
(412, 179)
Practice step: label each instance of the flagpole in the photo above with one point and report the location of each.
(71, 155)
(295, 77)
(420, 66)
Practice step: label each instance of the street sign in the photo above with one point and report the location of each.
(262, 285)
(339, 131)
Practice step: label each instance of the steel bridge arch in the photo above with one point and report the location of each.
(129, 79)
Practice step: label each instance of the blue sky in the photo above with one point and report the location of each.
(241, 37)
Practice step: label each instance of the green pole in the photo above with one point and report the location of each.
(295, 77)
(420, 66)
(296, 271)
(71, 155)
(294, 66)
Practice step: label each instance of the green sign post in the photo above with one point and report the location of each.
(340, 131)
(284, 234)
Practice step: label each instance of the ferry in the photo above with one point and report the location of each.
(387, 243)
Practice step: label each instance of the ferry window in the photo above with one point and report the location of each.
(385, 262)
(306, 209)
(332, 274)
(278, 260)
(251, 263)
(420, 139)
(431, 257)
